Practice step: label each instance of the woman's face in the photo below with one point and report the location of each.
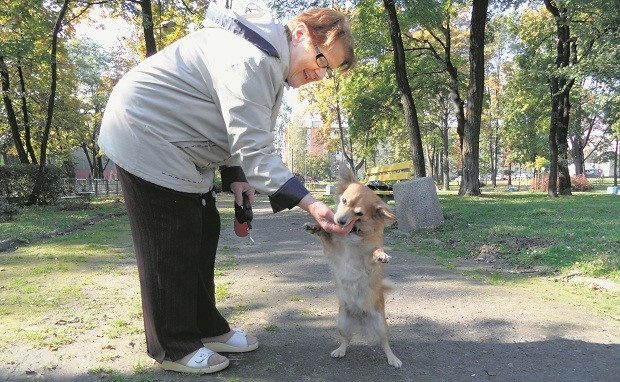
(303, 66)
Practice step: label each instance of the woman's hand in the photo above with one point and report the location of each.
(239, 188)
(323, 215)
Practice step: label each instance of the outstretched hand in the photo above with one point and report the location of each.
(324, 215)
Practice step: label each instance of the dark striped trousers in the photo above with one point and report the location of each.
(175, 238)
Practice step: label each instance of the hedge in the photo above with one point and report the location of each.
(17, 182)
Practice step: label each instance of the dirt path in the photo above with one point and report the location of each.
(445, 326)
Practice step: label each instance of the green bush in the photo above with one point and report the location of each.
(17, 182)
(7, 210)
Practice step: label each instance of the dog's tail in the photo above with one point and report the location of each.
(387, 285)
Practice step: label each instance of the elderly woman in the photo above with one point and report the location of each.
(210, 101)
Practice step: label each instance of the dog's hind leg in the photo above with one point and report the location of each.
(346, 333)
(392, 359)
(382, 331)
(342, 349)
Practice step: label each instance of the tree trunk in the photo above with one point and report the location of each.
(101, 166)
(406, 99)
(495, 164)
(552, 189)
(471, 137)
(491, 145)
(616, 164)
(560, 104)
(578, 157)
(431, 150)
(10, 113)
(438, 176)
(26, 118)
(562, 139)
(348, 156)
(34, 196)
(576, 143)
(445, 162)
(455, 95)
(148, 27)
(496, 156)
(91, 162)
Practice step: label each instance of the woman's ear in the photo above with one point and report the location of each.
(299, 34)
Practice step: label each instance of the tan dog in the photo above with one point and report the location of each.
(357, 263)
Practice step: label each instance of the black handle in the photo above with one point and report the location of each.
(243, 212)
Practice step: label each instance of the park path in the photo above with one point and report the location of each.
(446, 325)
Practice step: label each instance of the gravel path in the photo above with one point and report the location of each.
(445, 327)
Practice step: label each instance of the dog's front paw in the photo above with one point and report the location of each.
(312, 228)
(379, 255)
(394, 361)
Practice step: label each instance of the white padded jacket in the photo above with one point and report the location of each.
(210, 100)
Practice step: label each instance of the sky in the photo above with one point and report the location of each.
(106, 31)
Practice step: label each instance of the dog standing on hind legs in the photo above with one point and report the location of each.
(357, 263)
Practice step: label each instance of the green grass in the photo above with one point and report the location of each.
(34, 221)
(530, 229)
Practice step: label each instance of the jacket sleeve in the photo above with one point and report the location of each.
(230, 175)
(248, 92)
(288, 196)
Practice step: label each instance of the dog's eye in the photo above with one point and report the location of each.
(344, 201)
(359, 213)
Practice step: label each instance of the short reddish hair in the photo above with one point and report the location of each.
(325, 27)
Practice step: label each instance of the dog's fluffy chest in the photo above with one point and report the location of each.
(349, 266)
(353, 273)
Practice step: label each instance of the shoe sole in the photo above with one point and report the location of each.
(175, 366)
(219, 347)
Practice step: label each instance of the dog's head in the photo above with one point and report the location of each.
(356, 202)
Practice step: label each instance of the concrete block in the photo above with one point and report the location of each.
(417, 204)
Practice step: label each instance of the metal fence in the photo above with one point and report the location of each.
(92, 187)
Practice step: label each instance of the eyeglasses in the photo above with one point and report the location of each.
(321, 61)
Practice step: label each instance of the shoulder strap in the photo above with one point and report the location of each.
(240, 29)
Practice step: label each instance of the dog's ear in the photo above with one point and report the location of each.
(346, 175)
(384, 212)
(346, 178)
